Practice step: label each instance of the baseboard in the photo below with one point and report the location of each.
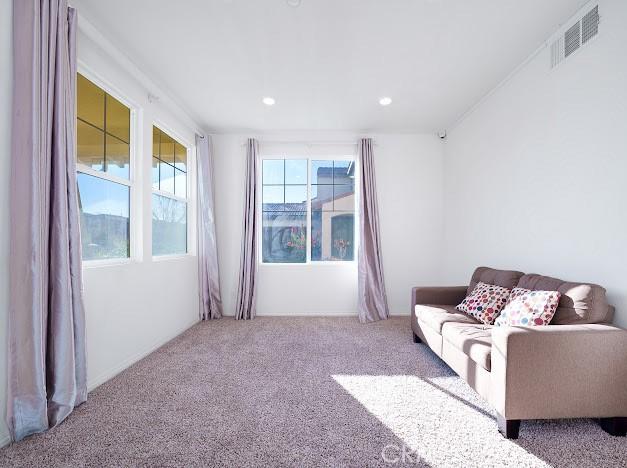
(109, 374)
(326, 314)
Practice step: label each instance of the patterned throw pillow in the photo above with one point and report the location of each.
(529, 308)
(485, 302)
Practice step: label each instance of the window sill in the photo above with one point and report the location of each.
(310, 264)
(165, 258)
(109, 262)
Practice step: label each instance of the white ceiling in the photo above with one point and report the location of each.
(327, 62)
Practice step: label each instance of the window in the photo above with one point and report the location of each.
(169, 199)
(104, 172)
(298, 227)
(332, 210)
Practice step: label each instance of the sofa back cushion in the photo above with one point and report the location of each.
(504, 278)
(579, 302)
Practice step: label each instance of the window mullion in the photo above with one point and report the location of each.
(102, 175)
(308, 217)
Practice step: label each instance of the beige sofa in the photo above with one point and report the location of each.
(575, 367)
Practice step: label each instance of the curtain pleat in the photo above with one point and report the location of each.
(372, 300)
(47, 374)
(246, 291)
(208, 272)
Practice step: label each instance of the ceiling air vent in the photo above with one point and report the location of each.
(576, 36)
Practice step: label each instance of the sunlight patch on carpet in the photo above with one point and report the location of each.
(440, 419)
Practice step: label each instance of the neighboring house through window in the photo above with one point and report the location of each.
(308, 218)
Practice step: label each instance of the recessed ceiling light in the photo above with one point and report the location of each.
(293, 3)
(268, 101)
(385, 101)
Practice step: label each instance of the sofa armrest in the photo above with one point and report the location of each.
(437, 295)
(559, 371)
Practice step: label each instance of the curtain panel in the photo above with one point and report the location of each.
(46, 329)
(247, 288)
(208, 272)
(372, 300)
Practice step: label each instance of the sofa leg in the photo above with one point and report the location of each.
(416, 339)
(508, 427)
(614, 426)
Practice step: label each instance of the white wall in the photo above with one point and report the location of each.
(409, 178)
(535, 176)
(6, 82)
(133, 308)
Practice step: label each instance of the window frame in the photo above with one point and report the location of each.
(190, 200)
(309, 157)
(133, 182)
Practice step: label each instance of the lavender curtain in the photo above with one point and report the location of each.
(246, 290)
(372, 301)
(46, 353)
(208, 273)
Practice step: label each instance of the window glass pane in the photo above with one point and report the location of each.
(167, 148)
(105, 227)
(180, 156)
(156, 134)
(316, 233)
(296, 171)
(155, 173)
(180, 183)
(169, 226)
(322, 197)
(296, 197)
(321, 172)
(90, 101)
(118, 119)
(118, 157)
(90, 146)
(343, 172)
(343, 197)
(284, 237)
(272, 197)
(166, 177)
(273, 171)
(332, 236)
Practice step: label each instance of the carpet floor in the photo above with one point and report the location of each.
(301, 392)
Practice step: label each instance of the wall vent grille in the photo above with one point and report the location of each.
(572, 39)
(575, 36)
(590, 25)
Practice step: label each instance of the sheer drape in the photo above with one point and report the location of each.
(46, 353)
(247, 288)
(208, 272)
(372, 301)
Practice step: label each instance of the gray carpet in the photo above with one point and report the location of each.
(301, 392)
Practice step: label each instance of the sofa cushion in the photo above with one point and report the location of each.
(529, 308)
(434, 316)
(504, 278)
(485, 302)
(474, 340)
(579, 302)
